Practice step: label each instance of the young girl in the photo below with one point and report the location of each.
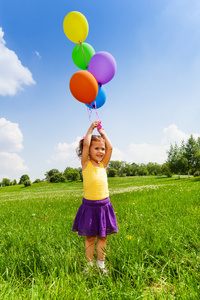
(95, 218)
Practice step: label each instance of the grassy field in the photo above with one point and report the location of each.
(155, 255)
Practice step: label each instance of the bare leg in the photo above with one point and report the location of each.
(101, 247)
(89, 247)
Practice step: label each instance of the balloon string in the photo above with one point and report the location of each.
(89, 113)
(84, 55)
(96, 111)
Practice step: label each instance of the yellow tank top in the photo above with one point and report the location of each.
(95, 182)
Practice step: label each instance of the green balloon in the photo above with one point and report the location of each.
(82, 54)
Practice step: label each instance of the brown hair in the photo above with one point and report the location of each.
(79, 149)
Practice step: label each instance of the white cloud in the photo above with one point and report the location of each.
(11, 162)
(144, 153)
(10, 136)
(38, 54)
(12, 165)
(118, 155)
(10, 142)
(139, 153)
(13, 75)
(65, 154)
(172, 134)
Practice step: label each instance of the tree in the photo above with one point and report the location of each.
(23, 178)
(198, 155)
(117, 165)
(165, 170)
(173, 158)
(14, 182)
(182, 159)
(80, 173)
(142, 170)
(198, 142)
(112, 172)
(27, 183)
(186, 158)
(6, 182)
(176, 159)
(72, 174)
(134, 169)
(153, 168)
(192, 155)
(122, 172)
(37, 180)
(57, 177)
(127, 169)
(50, 173)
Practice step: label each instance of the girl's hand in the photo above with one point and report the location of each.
(94, 125)
(101, 131)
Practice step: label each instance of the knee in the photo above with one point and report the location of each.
(101, 238)
(90, 239)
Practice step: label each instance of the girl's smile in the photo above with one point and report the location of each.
(97, 151)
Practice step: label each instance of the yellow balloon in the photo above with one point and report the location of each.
(76, 27)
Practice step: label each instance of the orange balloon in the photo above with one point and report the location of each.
(84, 86)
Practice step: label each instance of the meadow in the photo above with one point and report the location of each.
(155, 255)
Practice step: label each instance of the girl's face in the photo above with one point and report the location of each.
(97, 151)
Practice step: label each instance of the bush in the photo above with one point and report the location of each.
(57, 177)
(6, 182)
(27, 183)
(23, 178)
(112, 173)
(37, 181)
(50, 173)
(72, 174)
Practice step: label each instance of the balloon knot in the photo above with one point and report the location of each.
(99, 126)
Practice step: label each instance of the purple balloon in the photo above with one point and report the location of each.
(103, 66)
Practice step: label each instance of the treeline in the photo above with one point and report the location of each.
(183, 160)
(186, 158)
(23, 180)
(54, 175)
(114, 169)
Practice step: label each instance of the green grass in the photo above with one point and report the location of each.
(155, 255)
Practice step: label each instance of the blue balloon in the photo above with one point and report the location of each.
(100, 99)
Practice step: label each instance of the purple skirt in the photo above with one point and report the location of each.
(95, 218)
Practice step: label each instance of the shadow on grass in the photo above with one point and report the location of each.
(170, 178)
(190, 179)
(195, 179)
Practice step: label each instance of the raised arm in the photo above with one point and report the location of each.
(86, 144)
(109, 148)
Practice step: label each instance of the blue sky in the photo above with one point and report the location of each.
(152, 101)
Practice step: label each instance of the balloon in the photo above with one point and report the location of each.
(76, 26)
(100, 99)
(103, 66)
(83, 86)
(82, 54)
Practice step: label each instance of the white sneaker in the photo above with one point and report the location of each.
(90, 266)
(103, 269)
